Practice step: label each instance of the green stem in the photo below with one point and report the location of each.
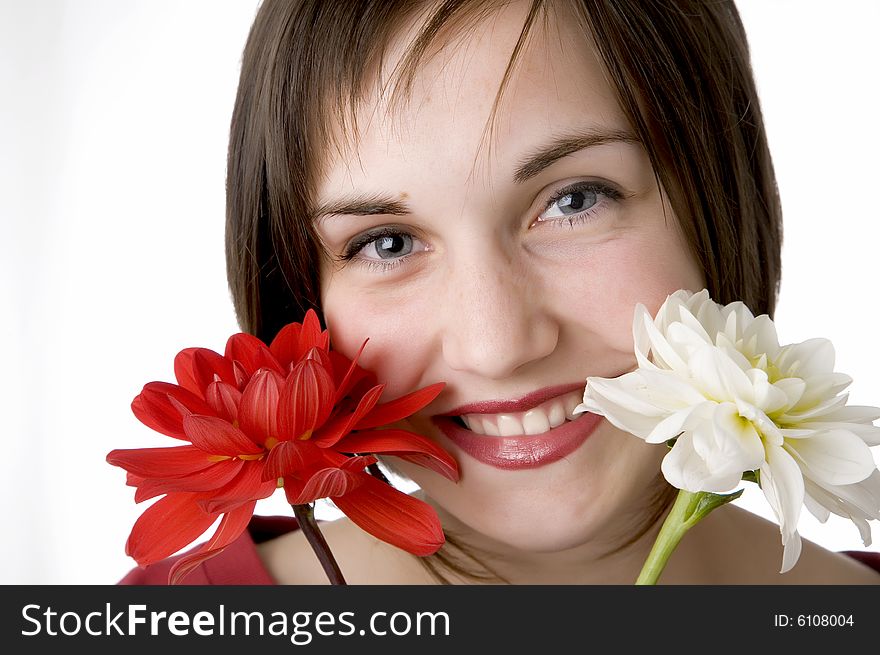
(688, 509)
(305, 515)
(671, 532)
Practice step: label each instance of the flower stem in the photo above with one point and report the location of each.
(376, 472)
(305, 515)
(671, 532)
(688, 509)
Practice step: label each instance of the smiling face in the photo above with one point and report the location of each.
(507, 264)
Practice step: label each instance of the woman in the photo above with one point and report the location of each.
(486, 190)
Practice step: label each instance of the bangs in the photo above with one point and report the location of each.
(342, 79)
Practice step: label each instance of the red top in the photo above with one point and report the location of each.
(240, 564)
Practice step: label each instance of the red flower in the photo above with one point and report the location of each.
(293, 414)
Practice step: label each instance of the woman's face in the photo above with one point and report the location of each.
(506, 264)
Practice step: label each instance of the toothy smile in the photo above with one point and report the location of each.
(538, 420)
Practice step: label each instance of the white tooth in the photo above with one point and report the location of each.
(467, 421)
(508, 426)
(572, 402)
(556, 414)
(490, 427)
(475, 423)
(536, 422)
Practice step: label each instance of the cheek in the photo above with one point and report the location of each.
(628, 271)
(396, 346)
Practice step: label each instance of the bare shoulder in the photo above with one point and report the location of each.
(362, 558)
(738, 532)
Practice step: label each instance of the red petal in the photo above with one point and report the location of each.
(205, 481)
(251, 353)
(351, 378)
(160, 462)
(404, 444)
(244, 487)
(165, 527)
(265, 490)
(232, 525)
(340, 426)
(218, 437)
(285, 345)
(393, 516)
(323, 484)
(298, 458)
(322, 358)
(196, 368)
(311, 334)
(258, 411)
(306, 400)
(154, 408)
(347, 373)
(294, 340)
(392, 411)
(133, 480)
(224, 399)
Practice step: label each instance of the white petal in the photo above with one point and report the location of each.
(765, 426)
(857, 502)
(683, 468)
(793, 388)
(820, 387)
(738, 318)
(761, 336)
(870, 434)
(791, 551)
(691, 322)
(623, 402)
(767, 396)
(732, 351)
(708, 313)
(835, 457)
(685, 340)
(668, 390)
(641, 340)
(674, 424)
(816, 508)
(783, 485)
(694, 301)
(665, 356)
(861, 499)
(728, 443)
(854, 413)
(803, 412)
(718, 377)
(796, 433)
(806, 359)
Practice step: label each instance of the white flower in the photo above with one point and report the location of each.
(715, 379)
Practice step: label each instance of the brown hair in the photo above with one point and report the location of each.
(682, 74)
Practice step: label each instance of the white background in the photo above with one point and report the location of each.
(113, 127)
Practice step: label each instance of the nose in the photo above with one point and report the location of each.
(498, 322)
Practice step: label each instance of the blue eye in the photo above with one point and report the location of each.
(572, 203)
(392, 245)
(578, 201)
(382, 248)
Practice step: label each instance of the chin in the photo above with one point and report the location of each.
(585, 501)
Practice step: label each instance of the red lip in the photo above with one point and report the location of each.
(522, 404)
(522, 452)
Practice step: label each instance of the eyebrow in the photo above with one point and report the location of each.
(362, 205)
(563, 146)
(528, 167)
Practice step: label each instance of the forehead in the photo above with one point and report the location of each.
(452, 117)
